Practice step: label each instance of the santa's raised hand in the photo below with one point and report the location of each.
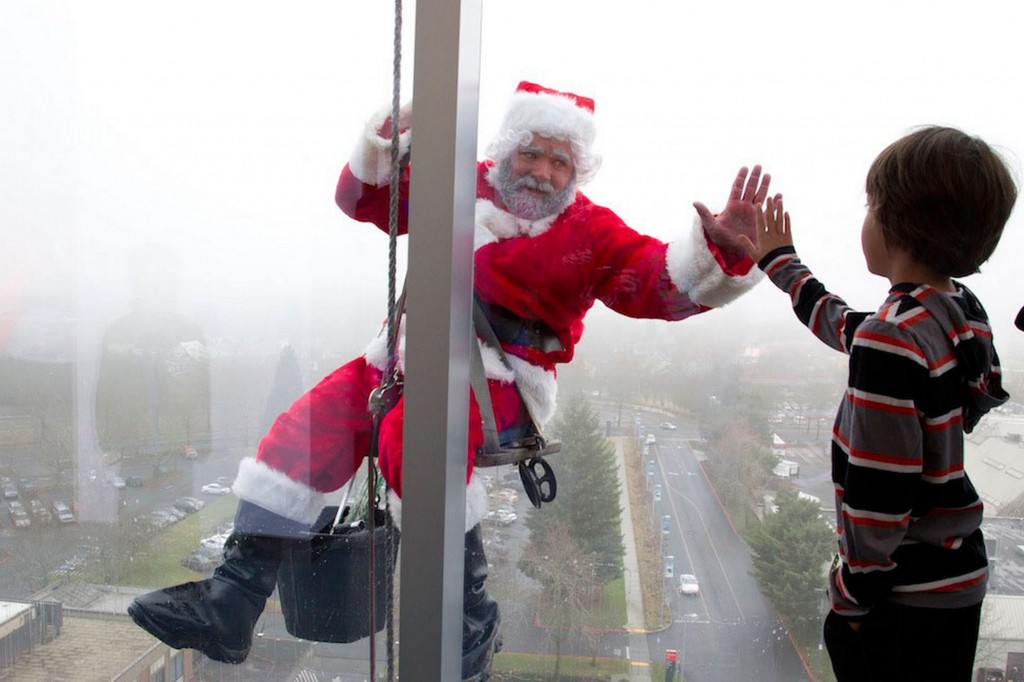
(739, 216)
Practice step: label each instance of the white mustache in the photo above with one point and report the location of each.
(531, 182)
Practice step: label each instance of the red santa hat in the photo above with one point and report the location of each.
(535, 109)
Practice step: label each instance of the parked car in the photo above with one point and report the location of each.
(216, 489)
(688, 584)
(134, 481)
(176, 514)
(40, 513)
(189, 505)
(214, 544)
(162, 518)
(19, 517)
(200, 562)
(503, 517)
(505, 496)
(651, 440)
(189, 452)
(72, 564)
(63, 512)
(668, 426)
(120, 482)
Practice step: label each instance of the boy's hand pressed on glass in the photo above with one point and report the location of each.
(773, 230)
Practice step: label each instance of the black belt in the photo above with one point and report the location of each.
(512, 329)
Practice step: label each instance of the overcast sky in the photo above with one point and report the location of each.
(216, 130)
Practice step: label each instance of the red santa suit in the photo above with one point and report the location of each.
(547, 273)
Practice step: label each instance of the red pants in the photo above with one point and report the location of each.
(321, 440)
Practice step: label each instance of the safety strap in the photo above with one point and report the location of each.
(478, 377)
(495, 454)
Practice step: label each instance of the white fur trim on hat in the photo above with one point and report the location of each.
(548, 115)
(274, 491)
(370, 161)
(695, 272)
(476, 503)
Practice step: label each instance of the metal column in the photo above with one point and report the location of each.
(442, 200)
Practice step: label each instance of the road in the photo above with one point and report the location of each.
(729, 629)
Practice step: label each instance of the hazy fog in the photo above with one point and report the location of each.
(186, 153)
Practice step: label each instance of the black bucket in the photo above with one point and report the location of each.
(323, 583)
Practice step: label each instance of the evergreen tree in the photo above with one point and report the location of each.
(587, 502)
(287, 386)
(792, 549)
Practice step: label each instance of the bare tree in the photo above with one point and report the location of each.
(570, 587)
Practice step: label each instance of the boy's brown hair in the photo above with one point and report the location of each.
(943, 197)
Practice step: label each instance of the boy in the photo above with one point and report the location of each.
(907, 585)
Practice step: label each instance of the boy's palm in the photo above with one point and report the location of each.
(773, 230)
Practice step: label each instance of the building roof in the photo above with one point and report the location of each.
(1002, 617)
(994, 460)
(9, 610)
(89, 648)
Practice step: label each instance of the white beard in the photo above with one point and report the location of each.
(522, 203)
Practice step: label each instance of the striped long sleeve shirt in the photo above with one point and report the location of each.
(922, 371)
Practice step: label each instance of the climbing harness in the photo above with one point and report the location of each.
(527, 451)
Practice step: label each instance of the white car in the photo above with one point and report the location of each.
(651, 440)
(214, 543)
(668, 426)
(63, 512)
(19, 517)
(216, 489)
(503, 517)
(688, 584)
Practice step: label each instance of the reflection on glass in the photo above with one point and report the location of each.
(217, 143)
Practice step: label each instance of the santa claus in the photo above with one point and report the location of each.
(544, 254)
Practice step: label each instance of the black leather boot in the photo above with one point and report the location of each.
(217, 616)
(480, 616)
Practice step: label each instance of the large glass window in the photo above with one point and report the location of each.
(175, 273)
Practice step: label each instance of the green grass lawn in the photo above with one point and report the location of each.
(536, 668)
(158, 565)
(610, 615)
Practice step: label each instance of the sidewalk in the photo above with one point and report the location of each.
(639, 659)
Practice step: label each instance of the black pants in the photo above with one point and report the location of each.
(902, 643)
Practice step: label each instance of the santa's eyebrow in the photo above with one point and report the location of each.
(531, 149)
(561, 156)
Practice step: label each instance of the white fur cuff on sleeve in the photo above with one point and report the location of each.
(695, 272)
(276, 492)
(371, 159)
